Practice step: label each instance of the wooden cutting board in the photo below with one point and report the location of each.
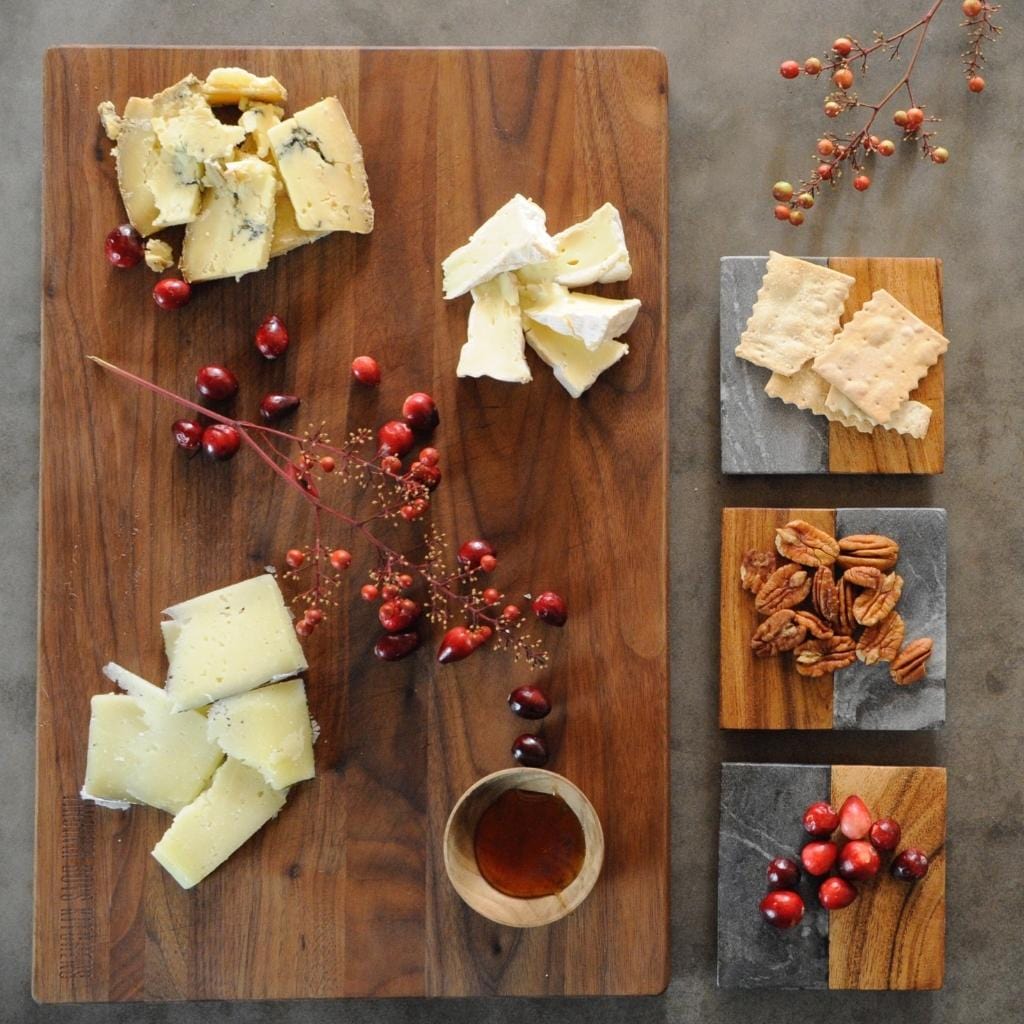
(345, 893)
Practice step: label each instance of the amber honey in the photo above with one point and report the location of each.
(529, 844)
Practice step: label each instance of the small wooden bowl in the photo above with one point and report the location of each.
(460, 858)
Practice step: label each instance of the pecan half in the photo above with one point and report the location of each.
(824, 594)
(866, 576)
(844, 621)
(819, 657)
(911, 664)
(815, 626)
(806, 544)
(779, 632)
(871, 606)
(883, 641)
(868, 549)
(785, 588)
(755, 568)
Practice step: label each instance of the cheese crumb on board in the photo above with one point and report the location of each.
(158, 255)
(591, 319)
(576, 366)
(495, 346)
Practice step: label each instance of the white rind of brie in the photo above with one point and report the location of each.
(495, 345)
(591, 319)
(591, 252)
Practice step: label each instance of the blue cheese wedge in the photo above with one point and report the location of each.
(495, 346)
(512, 238)
(591, 319)
(576, 367)
(230, 641)
(257, 119)
(591, 252)
(204, 834)
(230, 86)
(321, 164)
(135, 154)
(233, 233)
(142, 752)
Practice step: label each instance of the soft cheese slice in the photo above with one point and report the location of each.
(591, 319)
(230, 86)
(321, 165)
(576, 366)
(135, 155)
(230, 641)
(233, 233)
(257, 119)
(142, 752)
(268, 729)
(204, 834)
(495, 346)
(591, 252)
(512, 238)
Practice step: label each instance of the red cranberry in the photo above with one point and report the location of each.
(854, 818)
(395, 438)
(429, 476)
(420, 411)
(398, 614)
(429, 456)
(187, 434)
(304, 628)
(885, 834)
(821, 819)
(314, 615)
(783, 909)
(859, 860)
(217, 383)
(472, 551)
(529, 702)
(458, 643)
(294, 558)
(123, 247)
(491, 596)
(171, 292)
(369, 592)
(366, 371)
(910, 865)
(275, 407)
(549, 607)
(395, 646)
(221, 441)
(340, 559)
(511, 613)
(818, 858)
(530, 751)
(783, 873)
(836, 893)
(272, 337)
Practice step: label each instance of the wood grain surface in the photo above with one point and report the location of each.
(762, 693)
(893, 936)
(345, 893)
(917, 283)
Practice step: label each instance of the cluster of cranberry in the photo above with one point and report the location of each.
(858, 860)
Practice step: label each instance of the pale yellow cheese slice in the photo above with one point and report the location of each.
(591, 252)
(229, 86)
(287, 233)
(592, 319)
(495, 346)
(576, 367)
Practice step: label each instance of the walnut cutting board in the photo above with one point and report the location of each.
(345, 894)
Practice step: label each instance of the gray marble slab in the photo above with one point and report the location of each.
(865, 695)
(759, 434)
(761, 810)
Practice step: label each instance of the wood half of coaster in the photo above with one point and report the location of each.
(762, 434)
(891, 937)
(769, 692)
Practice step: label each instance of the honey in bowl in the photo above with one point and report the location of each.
(529, 844)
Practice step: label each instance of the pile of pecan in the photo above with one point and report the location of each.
(827, 620)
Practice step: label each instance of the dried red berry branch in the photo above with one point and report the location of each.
(852, 150)
(396, 493)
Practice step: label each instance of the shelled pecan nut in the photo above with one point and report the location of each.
(779, 632)
(819, 657)
(824, 594)
(755, 568)
(785, 588)
(815, 626)
(882, 642)
(911, 664)
(801, 542)
(844, 620)
(866, 576)
(868, 549)
(871, 606)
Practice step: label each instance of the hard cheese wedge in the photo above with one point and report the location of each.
(204, 834)
(591, 252)
(495, 346)
(230, 641)
(135, 155)
(591, 319)
(321, 165)
(576, 366)
(268, 729)
(225, 86)
(142, 752)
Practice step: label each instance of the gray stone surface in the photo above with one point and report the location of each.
(759, 434)
(736, 128)
(865, 695)
(762, 807)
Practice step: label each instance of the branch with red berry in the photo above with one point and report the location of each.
(853, 149)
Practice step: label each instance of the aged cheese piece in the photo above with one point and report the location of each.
(109, 119)
(267, 729)
(159, 255)
(576, 366)
(591, 252)
(287, 233)
(257, 119)
(229, 86)
(591, 319)
(795, 316)
(204, 834)
(512, 238)
(495, 346)
(230, 641)
(233, 232)
(880, 356)
(142, 752)
(135, 155)
(321, 165)
(910, 418)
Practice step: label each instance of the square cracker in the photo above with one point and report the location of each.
(880, 356)
(796, 314)
(804, 389)
(911, 417)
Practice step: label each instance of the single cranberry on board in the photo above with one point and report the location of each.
(366, 371)
(420, 411)
(783, 908)
(529, 702)
(821, 819)
(275, 407)
(187, 434)
(221, 441)
(859, 860)
(123, 247)
(395, 438)
(783, 873)
(272, 337)
(530, 751)
(171, 293)
(819, 857)
(217, 383)
(910, 865)
(854, 818)
(395, 646)
(885, 834)
(836, 893)
(551, 608)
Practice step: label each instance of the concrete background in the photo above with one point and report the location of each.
(736, 127)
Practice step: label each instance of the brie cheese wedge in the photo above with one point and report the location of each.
(591, 319)
(591, 252)
(495, 346)
(576, 367)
